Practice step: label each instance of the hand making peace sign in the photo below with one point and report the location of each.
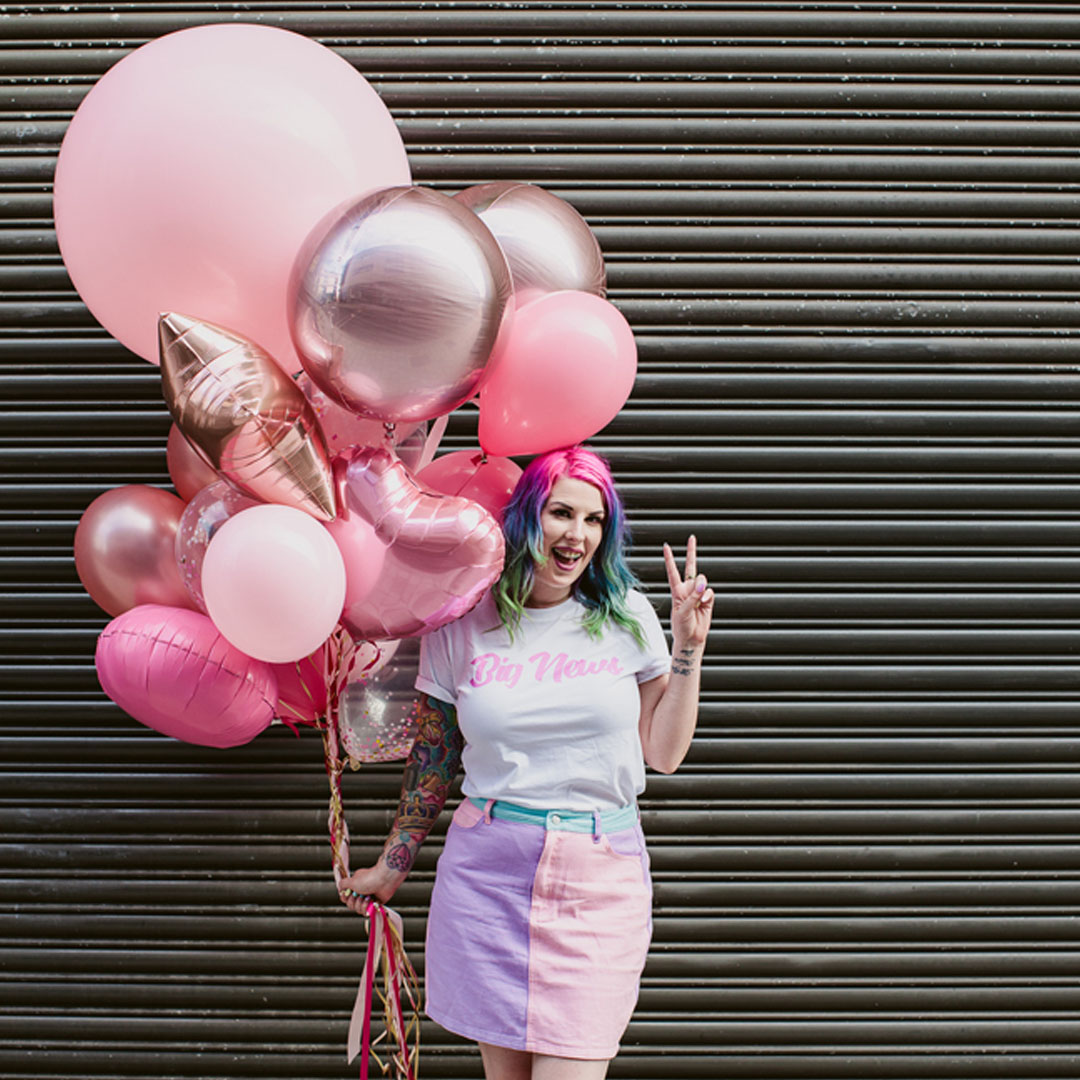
(691, 599)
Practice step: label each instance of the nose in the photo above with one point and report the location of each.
(575, 530)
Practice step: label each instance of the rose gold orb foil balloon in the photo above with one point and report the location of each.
(247, 416)
(547, 243)
(442, 551)
(124, 549)
(189, 470)
(397, 302)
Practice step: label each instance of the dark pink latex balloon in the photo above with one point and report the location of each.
(124, 549)
(490, 481)
(442, 551)
(301, 691)
(189, 470)
(563, 371)
(172, 671)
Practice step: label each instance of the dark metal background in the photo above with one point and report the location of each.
(846, 237)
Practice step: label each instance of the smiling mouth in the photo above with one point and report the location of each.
(565, 559)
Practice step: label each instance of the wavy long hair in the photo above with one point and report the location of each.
(603, 585)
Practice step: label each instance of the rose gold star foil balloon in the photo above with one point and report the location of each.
(547, 243)
(397, 302)
(442, 551)
(247, 416)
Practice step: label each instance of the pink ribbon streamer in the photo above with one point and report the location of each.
(384, 928)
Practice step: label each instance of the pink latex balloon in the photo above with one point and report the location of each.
(197, 165)
(171, 670)
(362, 552)
(301, 691)
(124, 549)
(442, 551)
(566, 368)
(490, 481)
(189, 470)
(201, 519)
(274, 582)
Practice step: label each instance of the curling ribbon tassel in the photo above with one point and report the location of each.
(385, 950)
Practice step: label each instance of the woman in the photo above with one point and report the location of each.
(553, 692)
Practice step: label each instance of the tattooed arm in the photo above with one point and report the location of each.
(430, 769)
(669, 704)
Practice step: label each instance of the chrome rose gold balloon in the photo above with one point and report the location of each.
(343, 429)
(124, 549)
(442, 551)
(396, 303)
(247, 416)
(189, 470)
(547, 243)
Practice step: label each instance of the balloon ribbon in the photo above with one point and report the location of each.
(386, 950)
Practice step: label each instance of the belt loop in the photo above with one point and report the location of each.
(598, 829)
(487, 811)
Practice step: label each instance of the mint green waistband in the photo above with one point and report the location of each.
(583, 821)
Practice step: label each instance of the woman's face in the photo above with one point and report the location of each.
(573, 523)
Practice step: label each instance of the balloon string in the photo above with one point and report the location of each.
(431, 443)
(386, 948)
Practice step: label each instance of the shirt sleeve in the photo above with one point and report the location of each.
(656, 659)
(436, 670)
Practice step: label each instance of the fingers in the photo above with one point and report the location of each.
(691, 558)
(699, 594)
(672, 569)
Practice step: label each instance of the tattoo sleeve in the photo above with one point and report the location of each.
(430, 769)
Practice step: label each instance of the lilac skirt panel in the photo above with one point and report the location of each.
(538, 935)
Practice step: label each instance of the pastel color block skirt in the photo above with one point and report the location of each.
(538, 932)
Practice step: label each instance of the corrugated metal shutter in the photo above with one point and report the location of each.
(846, 236)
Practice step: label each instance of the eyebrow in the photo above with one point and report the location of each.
(569, 506)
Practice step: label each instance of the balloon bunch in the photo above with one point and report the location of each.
(234, 203)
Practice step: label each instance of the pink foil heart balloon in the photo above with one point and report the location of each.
(442, 551)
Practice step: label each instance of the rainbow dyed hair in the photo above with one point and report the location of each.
(603, 585)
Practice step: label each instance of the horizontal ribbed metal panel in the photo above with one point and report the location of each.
(846, 237)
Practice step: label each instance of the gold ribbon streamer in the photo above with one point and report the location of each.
(386, 950)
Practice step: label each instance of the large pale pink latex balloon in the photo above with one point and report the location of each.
(189, 470)
(547, 243)
(170, 669)
(362, 552)
(249, 419)
(274, 582)
(124, 549)
(201, 519)
(442, 551)
(396, 303)
(195, 167)
(490, 481)
(566, 368)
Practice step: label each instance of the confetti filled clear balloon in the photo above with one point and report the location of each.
(205, 514)
(379, 710)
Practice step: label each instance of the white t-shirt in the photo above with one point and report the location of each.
(550, 720)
